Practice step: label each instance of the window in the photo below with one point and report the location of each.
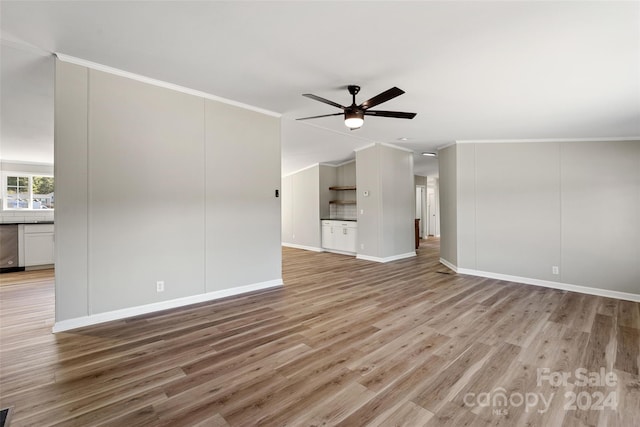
(26, 191)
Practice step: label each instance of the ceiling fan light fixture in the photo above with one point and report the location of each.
(354, 113)
(353, 119)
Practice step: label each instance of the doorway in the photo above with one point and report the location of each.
(421, 210)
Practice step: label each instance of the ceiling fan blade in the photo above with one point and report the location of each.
(326, 101)
(382, 97)
(324, 115)
(394, 114)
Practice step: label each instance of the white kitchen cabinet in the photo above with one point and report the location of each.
(37, 245)
(327, 234)
(348, 239)
(340, 236)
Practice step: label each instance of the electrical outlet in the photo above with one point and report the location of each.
(555, 270)
(361, 211)
(361, 245)
(160, 286)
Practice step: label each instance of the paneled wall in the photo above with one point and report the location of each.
(386, 214)
(158, 185)
(301, 199)
(521, 209)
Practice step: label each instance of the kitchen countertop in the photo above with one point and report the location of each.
(338, 219)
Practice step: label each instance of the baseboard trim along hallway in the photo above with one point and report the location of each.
(386, 259)
(545, 283)
(94, 319)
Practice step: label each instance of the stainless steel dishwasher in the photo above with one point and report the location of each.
(8, 248)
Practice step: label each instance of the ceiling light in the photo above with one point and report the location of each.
(353, 118)
(404, 138)
(429, 154)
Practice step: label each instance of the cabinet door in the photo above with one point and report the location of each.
(38, 249)
(343, 239)
(327, 237)
(351, 239)
(339, 238)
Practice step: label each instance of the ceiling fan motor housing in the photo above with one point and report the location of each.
(353, 89)
(353, 113)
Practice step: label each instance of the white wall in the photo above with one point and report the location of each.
(286, 196)
(72, 192)
(147, 190)
(146, 172)
(600, 217)
(523, 208)
(421, 212)
(447, 166)
(369, 207)
(508, 208)
(328, 177)
(398, 202)
(386, 215)
(242, 212)
(346, 174)
(301, 225)
(433, 185)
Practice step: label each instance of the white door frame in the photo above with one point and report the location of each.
(422, 200)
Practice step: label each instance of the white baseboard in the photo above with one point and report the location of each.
(448, 265)
(333, 251)
(306, 248)
(79, 322)
(386, 259)
(546, 283)
(40, 267)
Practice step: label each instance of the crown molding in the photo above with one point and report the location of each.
(160, 83)
(520, 141)
(373, 144)
(387, 144)
(345, 163)
(442, 147)
(302, 170)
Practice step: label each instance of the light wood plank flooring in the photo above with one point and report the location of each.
(344, 342)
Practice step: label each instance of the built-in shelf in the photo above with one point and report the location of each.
(343, 188)
(342, 202)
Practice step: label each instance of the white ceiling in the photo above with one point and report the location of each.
(471, 70)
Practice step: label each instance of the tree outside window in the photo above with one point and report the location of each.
(28, 192)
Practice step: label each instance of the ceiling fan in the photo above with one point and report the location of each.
(354, 114)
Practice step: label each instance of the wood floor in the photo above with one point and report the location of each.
(344, 342)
